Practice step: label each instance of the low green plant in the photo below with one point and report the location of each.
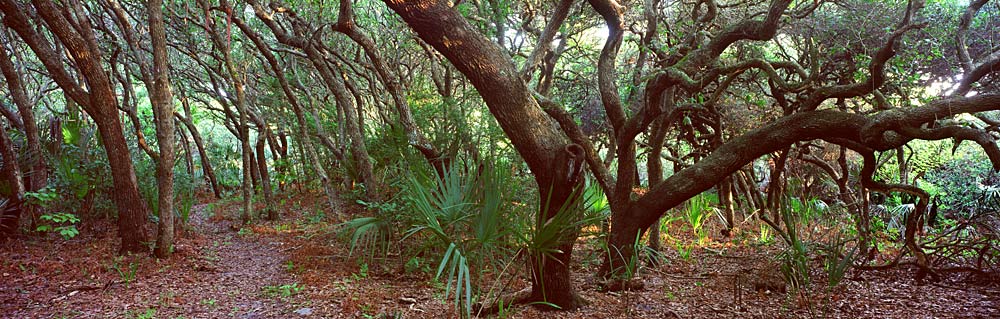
(807, 210)
(462, 212)
(412, 265)
(503, 310)
(795, 258)
(836, 262)
(696, 213)
(369, 232)
(126, 273)
(150, 313)
(62, 223)
(362, 272)
(766, 235)
(684, 251)
(44, 197)
(208, 302)
(317, 217)
(184, 196)
(459, 267)
(284, 291)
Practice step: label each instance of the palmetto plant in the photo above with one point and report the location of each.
(463, 212)
(697, 211)
(795, 258)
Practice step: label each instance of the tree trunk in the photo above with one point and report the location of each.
(163, 109)
(131, 207)
(550, 272)
(726, 201)
(254, 171)
(38, 172)
(199, 143)
(186, 144)
(359, 152)
(282, 153)
(265, 179)
(335, 84)
(901, 164)
(654, 168)
(776, 186)
(11, 186)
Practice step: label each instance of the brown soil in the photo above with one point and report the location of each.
(299, 268)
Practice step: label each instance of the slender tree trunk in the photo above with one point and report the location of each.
(38, 172)
(199, 143)
(163, 109)
(359, 152)
(186, 144)
(726, 201)
(654, 168)
(254, 171)
(265, 179)
(11, 186)
(776, 186)
(335, 84)
(901, 163)
(282, 151)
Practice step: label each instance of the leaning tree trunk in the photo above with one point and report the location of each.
(186, 145)
(281, 151)
(654, 168)
(131, 207)
(725, 189)
(336, 85)
(359, 152)
(37, 174)
(776, 186)
(508, 98)
(199, 143)
(254, 170)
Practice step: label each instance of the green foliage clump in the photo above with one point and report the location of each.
(61, 223)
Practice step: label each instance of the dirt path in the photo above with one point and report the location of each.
(298, 268)
(216, 272)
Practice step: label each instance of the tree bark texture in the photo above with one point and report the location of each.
(163, 109)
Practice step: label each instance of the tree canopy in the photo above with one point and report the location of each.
(542, 119)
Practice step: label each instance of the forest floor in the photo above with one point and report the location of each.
(298, 268)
